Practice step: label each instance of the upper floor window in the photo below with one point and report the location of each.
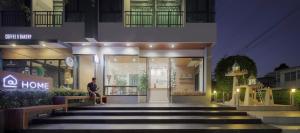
(153, 13)
(290, 76)
(287, 76)
(293, 76)
(298, 74)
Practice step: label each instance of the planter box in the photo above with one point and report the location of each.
(2, 121)
(190, 99)
(61, 100)
(122, 99)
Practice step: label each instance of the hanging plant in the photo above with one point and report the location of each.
(40, 71)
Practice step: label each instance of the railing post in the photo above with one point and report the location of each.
(169, 19)
(129, 18)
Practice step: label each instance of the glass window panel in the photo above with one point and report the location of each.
(287, 76)
(293, 76)
(187, 76)
(37, 68)
(51, 68)
(298, 72)
(18, 66)
(115, 90)
(122, 75)
(66, 75)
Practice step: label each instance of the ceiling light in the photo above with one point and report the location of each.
(115, 60)
(150, 46)
(128, 44)
(84, 44)
(134, 60)
(173, 46)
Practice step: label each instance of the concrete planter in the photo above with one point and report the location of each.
(190, 99)
(2, 121)
(123, 99)
(61, 100)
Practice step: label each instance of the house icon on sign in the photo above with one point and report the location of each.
(10, 82)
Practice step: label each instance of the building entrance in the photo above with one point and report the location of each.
(159, 80)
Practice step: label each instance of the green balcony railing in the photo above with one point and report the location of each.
(154, 19)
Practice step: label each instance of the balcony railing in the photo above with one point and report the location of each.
(47, 18)
(35, 18)
(154, 19)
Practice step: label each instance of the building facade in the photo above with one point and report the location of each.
(283, 79)
(139, 50)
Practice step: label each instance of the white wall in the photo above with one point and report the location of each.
(42, 5)
(191, 32)
(172, 53)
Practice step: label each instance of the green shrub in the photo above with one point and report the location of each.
(283, 97)
(15, 99)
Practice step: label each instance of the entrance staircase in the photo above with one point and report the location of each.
(150, 119)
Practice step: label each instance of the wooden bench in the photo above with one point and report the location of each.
(18, 118)
(65, 100)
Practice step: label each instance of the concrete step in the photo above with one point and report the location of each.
(152, 128)
(149, 113)
(148, 120)
(152, 108)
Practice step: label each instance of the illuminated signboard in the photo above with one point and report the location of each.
(14, 81)
(17, 36)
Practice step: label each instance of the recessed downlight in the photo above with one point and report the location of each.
(172, 45)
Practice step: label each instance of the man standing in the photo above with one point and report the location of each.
(92, 89)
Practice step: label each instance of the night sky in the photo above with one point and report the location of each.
(268, 31)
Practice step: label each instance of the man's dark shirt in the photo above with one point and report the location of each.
(92, 86)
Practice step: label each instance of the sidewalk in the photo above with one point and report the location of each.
(288, 121)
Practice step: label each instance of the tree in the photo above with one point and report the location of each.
(223, 83)
(281, 67)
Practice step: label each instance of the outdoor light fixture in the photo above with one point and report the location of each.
(237, 90)
(215, 92)
(43, 44)
(13, 45)
(293, 90)
(150, 46)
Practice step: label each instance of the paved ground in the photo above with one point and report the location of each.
(288, 121)
(158, 105)
(261, 114)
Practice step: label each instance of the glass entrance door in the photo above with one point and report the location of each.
(159, 80)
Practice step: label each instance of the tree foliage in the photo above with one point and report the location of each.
(281, 67)
(224, 83)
